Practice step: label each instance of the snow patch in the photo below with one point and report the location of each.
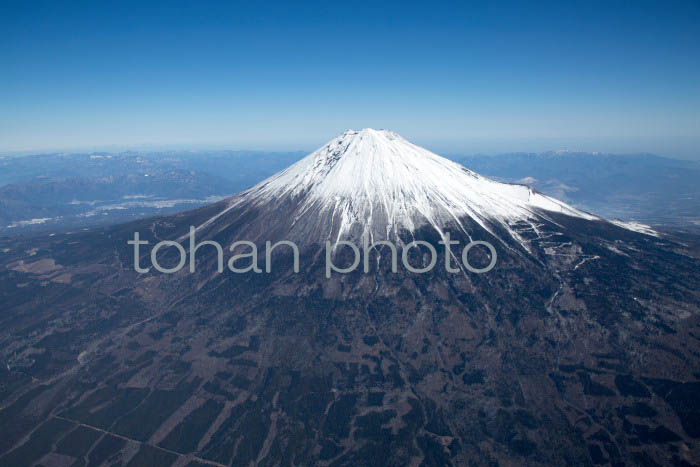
(36, 221)
(635, 227)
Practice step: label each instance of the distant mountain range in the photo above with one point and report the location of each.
(642, 187)
(57, 192)
(54, 192)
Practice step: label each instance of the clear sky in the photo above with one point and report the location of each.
(457, 77)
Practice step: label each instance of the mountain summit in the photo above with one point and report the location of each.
(376, 183)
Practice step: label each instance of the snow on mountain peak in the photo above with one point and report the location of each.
(376, 183)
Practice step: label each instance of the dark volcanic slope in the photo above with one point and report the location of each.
(583, 352)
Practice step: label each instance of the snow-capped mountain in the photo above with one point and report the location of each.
(376, 183)
(580, 347)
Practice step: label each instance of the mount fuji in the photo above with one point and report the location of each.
(580, 347)
(375, 184)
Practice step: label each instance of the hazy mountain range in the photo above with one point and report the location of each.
(641, 187)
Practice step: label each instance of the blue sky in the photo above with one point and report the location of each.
(457, 77)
